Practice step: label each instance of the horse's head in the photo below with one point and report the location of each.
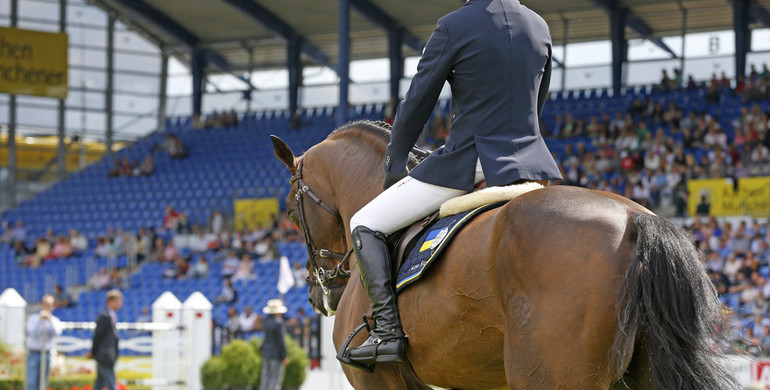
(310, 206)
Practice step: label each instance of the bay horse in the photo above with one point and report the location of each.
(560, 288)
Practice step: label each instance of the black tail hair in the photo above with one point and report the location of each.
(669, 298)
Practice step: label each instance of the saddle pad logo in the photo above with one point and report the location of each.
(434, 239)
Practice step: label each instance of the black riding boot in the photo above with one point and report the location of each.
(387, 342)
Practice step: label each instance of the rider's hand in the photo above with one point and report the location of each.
(393, 179)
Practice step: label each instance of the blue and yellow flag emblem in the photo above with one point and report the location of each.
(434, 238)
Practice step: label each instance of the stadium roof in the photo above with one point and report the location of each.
(230, 29)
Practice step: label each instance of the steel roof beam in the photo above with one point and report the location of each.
(138, 9)
(382, 19)
(279, 27)
(760, 14)
(636, 24)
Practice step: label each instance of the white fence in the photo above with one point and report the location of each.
(180, 340)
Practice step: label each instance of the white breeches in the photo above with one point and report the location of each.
(404, 203)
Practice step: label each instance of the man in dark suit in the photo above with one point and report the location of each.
(496, 56)
(274, 355)
(104, 348)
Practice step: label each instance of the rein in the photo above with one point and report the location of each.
(321, 276)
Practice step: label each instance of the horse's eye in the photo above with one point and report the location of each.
(293, 217)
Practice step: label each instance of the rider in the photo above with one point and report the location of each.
(496, 55)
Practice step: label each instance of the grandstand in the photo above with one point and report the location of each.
(143, 70)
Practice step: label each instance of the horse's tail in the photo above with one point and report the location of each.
(671, 304)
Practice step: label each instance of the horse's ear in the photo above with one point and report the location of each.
(284, 153)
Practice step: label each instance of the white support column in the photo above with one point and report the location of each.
(196, 317)
(12, 318)
(166, 345)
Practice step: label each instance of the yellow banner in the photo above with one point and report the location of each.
(252, 213)
(33, 63)
(721, 197)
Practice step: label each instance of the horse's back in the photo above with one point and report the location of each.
(531, 275)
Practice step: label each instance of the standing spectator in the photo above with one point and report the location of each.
(274, 354)
(104, 348)
(233, 324)
(61, 298)
(42, 328)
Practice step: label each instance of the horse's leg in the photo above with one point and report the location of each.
(559, 276)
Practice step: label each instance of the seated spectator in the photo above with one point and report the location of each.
(173, 146)
(78, 242)
(117, 280)
(170, 219)
(145, 316)
(19, 232)
(21, 253)
(99, 280)
(300, 275)
(160, 250)
(217, 222)
(182, 267)
(105, 248)
(126, 169)
(7, 236)
(61, 299)
(232, 119)
(245, 268)
(199, 243)
(248, 320)
(170, 253)
(230, 264)
(61, 249)
(115, 171)
(183, 224)
(147, 167)
(42, 250)
(229, 294)
(200, 269)
(213, 120)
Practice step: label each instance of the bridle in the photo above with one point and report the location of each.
(321, 276)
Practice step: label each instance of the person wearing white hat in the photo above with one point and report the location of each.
(274, 355)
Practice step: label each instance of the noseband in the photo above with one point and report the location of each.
(321, 276)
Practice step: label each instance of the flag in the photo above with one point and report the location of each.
(285, 276)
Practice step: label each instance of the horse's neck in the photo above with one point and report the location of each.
(356, 177)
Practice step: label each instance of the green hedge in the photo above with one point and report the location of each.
(56, 383)
(240, 365)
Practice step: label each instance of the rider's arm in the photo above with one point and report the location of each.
(544, 84)
(432, 71)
